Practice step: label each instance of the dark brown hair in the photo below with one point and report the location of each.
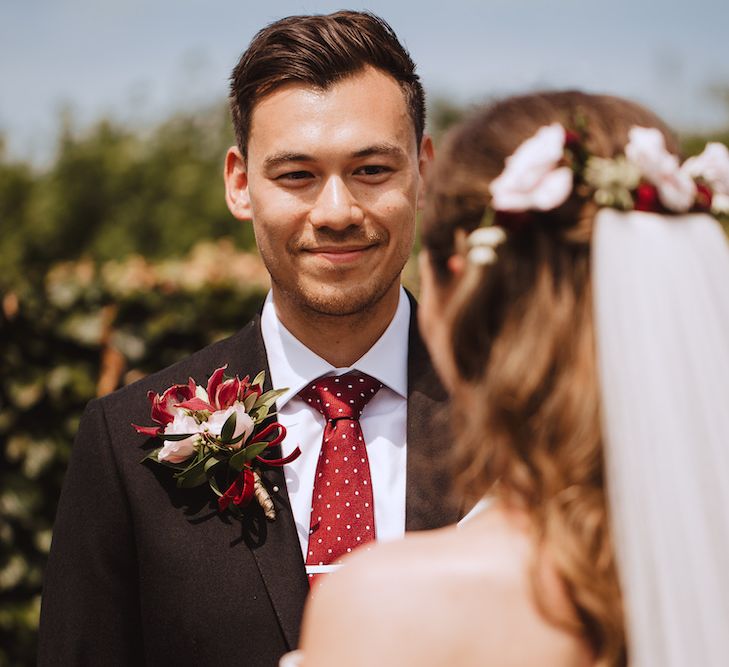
(320, 50)
(528, 407)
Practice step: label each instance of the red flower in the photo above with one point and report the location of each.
(513, 221)
(704, 197)
(571, 139)
(222, 393)
(163, 406)
(239, 492)
(646, 198)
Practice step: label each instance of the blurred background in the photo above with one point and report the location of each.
(117, 253)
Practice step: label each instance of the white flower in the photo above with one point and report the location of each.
(720, 204)
(712, 166)
(176, 451)
(243, 422)
(647, 150)
(483, 242)
(531, 178)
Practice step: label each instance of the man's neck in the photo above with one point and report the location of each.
(338, 339)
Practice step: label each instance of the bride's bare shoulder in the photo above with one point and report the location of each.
(458, 595)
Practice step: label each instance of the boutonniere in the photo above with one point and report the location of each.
(216, 435)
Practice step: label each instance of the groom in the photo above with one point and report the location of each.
(329, 162)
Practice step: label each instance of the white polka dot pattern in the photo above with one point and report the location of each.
(342, 510)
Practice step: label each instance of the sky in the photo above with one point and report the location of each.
(141, 60)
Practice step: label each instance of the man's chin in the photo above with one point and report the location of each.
(338, 302)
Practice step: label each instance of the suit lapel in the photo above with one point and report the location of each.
(428, 500)
(275, 545)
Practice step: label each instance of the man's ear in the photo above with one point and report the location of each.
(236, 185)
(425, 158)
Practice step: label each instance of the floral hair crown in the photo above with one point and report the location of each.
(548, 167)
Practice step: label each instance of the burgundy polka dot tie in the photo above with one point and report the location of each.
(342, 509)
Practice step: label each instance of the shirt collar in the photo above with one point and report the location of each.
(294, 365)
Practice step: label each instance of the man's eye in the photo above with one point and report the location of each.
(373, 170)
(294, 176)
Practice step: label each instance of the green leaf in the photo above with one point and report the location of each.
(245, 455)
(259, 414)
(191, 481)
(254, 450)
(172, 437)
(152, 456)
(238, 460)
(226, 433)
(259, 379)
(269, 398)
(195, 474)
(235, 440)
(214, 486)
(249, 402)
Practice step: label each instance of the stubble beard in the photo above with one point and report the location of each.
(333, 300)
(338, 296)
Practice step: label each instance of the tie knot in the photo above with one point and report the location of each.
(342, 396)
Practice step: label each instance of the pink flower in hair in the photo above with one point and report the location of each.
(647, 150)
(532, 178)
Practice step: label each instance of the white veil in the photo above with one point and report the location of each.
(661, 299)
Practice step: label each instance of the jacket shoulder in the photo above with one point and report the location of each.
(243, 353)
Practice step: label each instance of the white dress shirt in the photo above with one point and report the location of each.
(384, 419)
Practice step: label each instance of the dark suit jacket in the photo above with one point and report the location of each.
(141, 572)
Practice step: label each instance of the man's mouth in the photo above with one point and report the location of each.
(341, 254)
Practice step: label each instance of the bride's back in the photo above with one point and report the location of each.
(460, 596)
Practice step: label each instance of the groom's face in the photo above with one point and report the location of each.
(332, 181)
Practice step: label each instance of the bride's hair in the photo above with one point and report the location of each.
(527, 409)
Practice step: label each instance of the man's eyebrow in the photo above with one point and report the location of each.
(281, 158)
(390, 150)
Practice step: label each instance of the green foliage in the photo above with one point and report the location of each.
(693, 144)
(442, 114)
(85, 330)
(112, 192)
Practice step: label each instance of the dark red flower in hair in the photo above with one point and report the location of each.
(646, 198)
(704, 197)
(571, 139)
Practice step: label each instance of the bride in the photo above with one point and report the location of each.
(575, 298)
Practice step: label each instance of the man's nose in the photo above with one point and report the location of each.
(336, 207)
